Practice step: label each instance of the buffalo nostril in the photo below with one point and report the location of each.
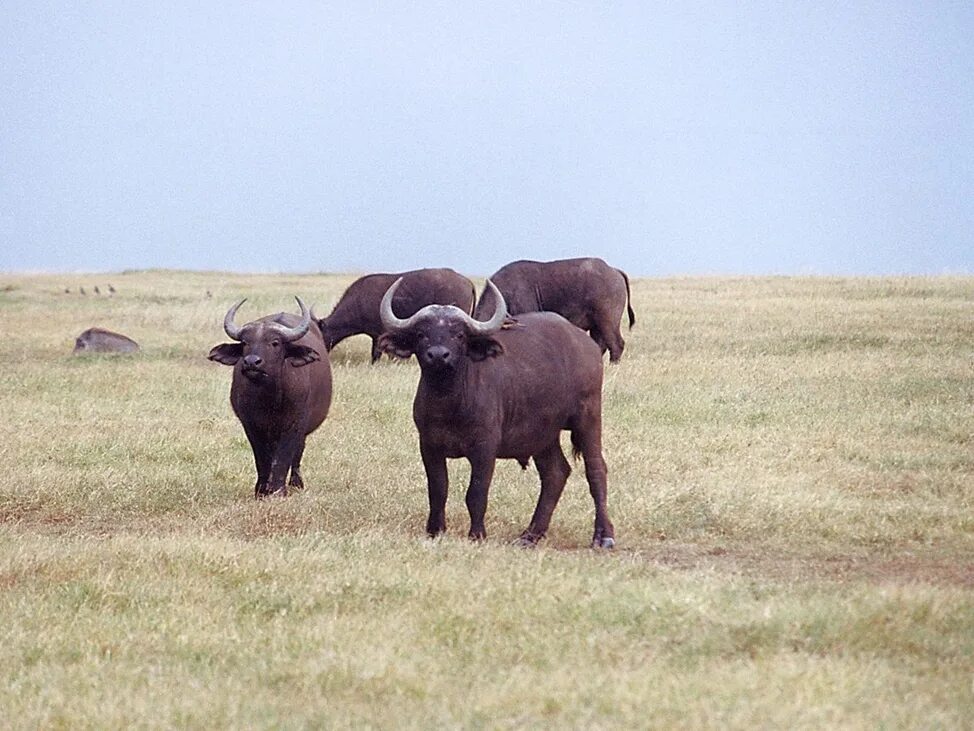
(438, 354)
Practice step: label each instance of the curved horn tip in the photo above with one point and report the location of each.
(394, 286)
(501, 305)
(386, 315)
(228, 325)
(298, 331)
(496, 321)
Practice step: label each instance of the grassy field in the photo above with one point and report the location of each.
(791, 476)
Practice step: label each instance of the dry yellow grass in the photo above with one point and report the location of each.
(791, 479)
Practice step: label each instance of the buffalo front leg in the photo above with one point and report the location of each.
(554, 471)
(281, 460)
(262, 460)
(437, 484)
(481, 473)
(295, 479)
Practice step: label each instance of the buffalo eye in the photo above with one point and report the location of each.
(275, 343)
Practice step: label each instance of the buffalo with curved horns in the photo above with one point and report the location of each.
(587, 292)
(281, 390)
(357, 312)
(499, 389)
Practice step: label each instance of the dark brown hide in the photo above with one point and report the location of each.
(587, 292)
(281, 392)
(357, 312)
(97, 340)
(507, 395)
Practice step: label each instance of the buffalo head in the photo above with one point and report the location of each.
(262, 347)
(441, 336)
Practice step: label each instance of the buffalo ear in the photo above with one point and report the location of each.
(483, 348)
(226, 353)
(398, 345)
(300, 355)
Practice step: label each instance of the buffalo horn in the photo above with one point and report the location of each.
(392, 323)
(389, 320)
(232, 330)
(298, 331)
(494, 323)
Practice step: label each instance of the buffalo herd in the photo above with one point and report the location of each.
(499, 379)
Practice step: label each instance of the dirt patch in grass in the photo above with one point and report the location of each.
(261, 521)
(251, 523)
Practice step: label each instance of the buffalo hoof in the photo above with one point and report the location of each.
(527, 540)
(604, 542)
(279, 492)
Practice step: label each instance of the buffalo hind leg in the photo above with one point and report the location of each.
(605, 331)
(589, 442)
(554, 471)
(599, 340)
(616, 346)
(376, 350)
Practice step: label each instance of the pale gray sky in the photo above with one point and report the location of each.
(363, 136)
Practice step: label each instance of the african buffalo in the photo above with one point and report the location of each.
(587, 292)
(281, 390)
(502, 389)
(97, 340)
(357, 311)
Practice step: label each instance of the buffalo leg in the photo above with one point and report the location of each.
(596, 335)
(554, 470)
(262, 461)
(589, 442)
(481, 473)
(610, 335)
(281, 461)
(437, 484)
(376, 350)
(295, 480)
(616, 347)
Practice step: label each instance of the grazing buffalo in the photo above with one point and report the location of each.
(281, 390)
(502, 389)
(357, 311)
(587, 292)
(97, 340)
